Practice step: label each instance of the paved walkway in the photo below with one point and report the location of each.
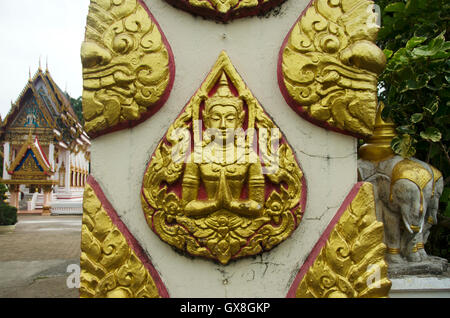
(35, 257)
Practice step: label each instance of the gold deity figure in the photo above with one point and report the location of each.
(223, 179)
(238, 189)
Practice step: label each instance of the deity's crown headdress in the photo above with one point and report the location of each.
(224, 97)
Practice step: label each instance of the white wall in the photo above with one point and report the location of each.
(328, 159)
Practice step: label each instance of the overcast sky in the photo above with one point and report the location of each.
(30, 29)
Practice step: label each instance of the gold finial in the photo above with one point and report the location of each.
(29, 74)
(378, 146)
(46, 65)
(224, 89)
(40, 68)
(223, 96)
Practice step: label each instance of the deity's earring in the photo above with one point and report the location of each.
(241, 118)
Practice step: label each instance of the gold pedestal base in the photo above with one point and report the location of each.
(46, 211)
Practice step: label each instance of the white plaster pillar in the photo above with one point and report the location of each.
(51, 154)
(68, 175)
(6, 162)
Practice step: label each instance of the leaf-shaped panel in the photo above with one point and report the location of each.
(223, 183)
(128, 66)
(329, 65)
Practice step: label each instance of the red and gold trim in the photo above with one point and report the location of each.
(113, 264)
(348, 259)
(118, 95)
(329, 64)
(226, 10)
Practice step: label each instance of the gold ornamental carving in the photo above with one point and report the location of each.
(329, 65)
(351, 263)
(225, 10)
(110, 268)
(206, 191)
(127, 66)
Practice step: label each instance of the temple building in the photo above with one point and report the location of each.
(46, 152)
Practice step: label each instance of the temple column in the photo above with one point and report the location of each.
(47, 199)
(68, 176)
(14, 195)
(6, 162)
(51, 155)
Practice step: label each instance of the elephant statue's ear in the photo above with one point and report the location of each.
(366, 170)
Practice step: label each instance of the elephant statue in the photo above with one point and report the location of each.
(407, 195)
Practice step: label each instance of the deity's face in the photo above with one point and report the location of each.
(225, 119)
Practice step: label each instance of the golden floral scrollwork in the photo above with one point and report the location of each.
(216, 208)
(351, 263)
(226, 9)
(110, 268)
(127, 66)
(329, 65)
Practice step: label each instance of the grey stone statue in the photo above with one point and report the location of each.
(407, 193)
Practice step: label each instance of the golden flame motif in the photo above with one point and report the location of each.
(127, 66)
(226, 9)
(110, 268)
(329, 65)
(223, 224)
(351, 264)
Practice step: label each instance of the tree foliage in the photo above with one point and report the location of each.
(415, 87)
(77, 108)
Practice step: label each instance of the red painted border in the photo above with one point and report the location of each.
(164, 97)
(290, 101)
(132, 242)
(323, 240)
(260, 9)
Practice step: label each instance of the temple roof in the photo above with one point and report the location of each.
(31, 148)
(42, 104)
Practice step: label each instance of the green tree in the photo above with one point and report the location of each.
(77, 108)
(415, 88)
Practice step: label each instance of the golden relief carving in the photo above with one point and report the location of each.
(109, 266)
(127, 66)
(351, 263)
(30, 116)
(226, 9)
(215, 197)
(329, 65)
(29, 170)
